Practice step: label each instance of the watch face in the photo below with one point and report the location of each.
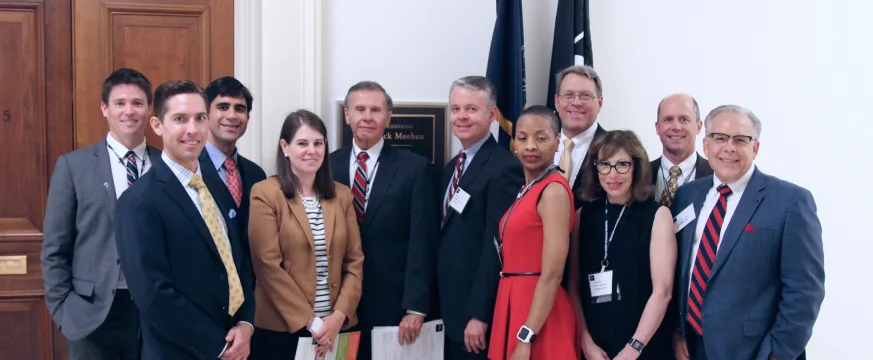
(523, 333)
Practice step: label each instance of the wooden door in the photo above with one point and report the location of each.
(36, 123)
(163, 39)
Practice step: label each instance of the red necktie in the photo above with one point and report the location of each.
(359, 188)
(706, 259)
(459, 170)
(234, 184)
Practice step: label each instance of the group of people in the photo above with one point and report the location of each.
(192, 252)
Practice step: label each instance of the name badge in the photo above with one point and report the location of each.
(459, 200)
(684, 218)
(601, 287)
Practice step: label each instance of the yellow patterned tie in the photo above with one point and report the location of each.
(672, 185)
(213, 222)
(566, 161)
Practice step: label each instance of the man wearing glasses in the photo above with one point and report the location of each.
(750, 278)
(578, 101)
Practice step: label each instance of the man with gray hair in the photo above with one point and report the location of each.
(750, 278)
(477, 186)
(677, 125)
(578, 101)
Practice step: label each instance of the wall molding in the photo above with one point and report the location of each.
(247, 69)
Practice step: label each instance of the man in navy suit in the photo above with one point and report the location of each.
(750, 273)
(224, 168)
(178, 246)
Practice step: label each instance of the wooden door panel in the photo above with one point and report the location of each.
(22, 120)
(163, 39)
(28, 317)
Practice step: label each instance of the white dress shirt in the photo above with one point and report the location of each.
(470, 152)
(689, 172)
(218, 157)
(372, 165)
(581, 143)
(118, 167)
(737, 190)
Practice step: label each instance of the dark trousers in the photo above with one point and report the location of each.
(455, 350)
(698, 352)
(117, 338)
(273, 345)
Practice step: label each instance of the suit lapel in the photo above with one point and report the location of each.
(656, 165)
(341, 161)
(176, 191)
(380, 183)
(473, 170)
(689, 232)
(103, 173)
(578, 182)
(702, 168)
(299, 212)
(752, 197)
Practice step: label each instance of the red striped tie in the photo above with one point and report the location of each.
(459, 170)
(234, 184)
(706, 259)
(359, 188)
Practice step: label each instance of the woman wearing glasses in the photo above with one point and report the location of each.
(623, 255)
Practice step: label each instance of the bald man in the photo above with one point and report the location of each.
(677, 125)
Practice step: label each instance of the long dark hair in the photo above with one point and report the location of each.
(604, 147)
(324, 186)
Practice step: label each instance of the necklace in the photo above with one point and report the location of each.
(311, 203)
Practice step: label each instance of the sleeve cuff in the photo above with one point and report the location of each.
(415, 313)
(249, 324)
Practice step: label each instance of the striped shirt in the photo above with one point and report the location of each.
(316, 223)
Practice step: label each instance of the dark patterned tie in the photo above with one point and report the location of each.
(132, 171)
(459, 170)
(672, 186)
(359, 188)
(706, 259)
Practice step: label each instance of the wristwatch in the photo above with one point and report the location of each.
(526, 335)
(636, 344)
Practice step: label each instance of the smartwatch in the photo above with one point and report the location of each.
(526, 335)
(636, 344)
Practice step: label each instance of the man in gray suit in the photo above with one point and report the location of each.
(750, 278)
(85, 290)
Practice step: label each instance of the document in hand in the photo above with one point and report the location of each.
(346, 348)
(428, 346)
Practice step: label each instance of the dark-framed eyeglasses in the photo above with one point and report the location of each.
(584, 97)
(621, 167)
(722, 139)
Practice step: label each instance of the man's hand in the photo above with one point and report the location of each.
(410, 328)
(680, 348)
(239, 342)
(474, 336)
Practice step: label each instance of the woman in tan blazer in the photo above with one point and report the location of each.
(305, 246)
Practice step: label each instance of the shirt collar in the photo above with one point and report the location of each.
(686, 165)
(473, 149)
(121, 150)
(184, 175)
(583, 137)
(374, 151)
(737, 186)
(217, 156)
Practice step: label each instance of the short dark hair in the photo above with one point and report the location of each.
(126, 76)
(324, 185)
(545, 113)
(172, 88)
(368, 86)
(606, 146)
(228, 86)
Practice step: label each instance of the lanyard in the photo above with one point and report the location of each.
(607, 237)
(368, 175)
(123, 164)
(521, 193)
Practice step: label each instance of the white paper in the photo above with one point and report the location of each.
(684, 218)
(306, 348)
(428, 346)
(459, 200)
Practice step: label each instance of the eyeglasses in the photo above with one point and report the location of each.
(722, 139)
(621, 167)
(584, 97)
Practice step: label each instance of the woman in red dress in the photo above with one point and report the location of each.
(533, 316)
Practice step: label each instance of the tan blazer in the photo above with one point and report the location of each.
(283, 256)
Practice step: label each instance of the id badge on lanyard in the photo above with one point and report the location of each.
(601, 283)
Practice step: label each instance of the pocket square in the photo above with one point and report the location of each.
(749, 228)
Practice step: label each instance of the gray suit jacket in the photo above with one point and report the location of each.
(767, 283)
(80, 263)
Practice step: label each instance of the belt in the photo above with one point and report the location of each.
(506, 274)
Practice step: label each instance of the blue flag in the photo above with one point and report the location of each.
(506, 68)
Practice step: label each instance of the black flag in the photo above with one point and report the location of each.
(506, 68)
(572, 42)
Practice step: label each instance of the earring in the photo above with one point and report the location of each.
(286, 155)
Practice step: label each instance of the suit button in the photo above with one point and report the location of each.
(334, 284)
(222, 277)
(224, 308)
(118, 261)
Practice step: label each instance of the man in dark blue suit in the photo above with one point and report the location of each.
(750, 273)
(179, 246)
(224, 168)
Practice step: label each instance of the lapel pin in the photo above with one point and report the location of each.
(231, 214)
(106, 185)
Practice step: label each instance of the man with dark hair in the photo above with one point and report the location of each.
(224, 169)
(179, 246)
(393, 199)
(85, 287)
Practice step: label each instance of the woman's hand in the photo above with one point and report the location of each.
(628, 353)
(329, 331)
(593, 352)
(522, 352)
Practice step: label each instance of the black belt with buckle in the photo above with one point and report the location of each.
(506, 274)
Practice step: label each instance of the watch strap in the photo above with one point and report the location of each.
(636, 345)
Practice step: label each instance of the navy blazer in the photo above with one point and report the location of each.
(173, 269)
(767, 284)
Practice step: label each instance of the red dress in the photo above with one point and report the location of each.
(523, 252)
